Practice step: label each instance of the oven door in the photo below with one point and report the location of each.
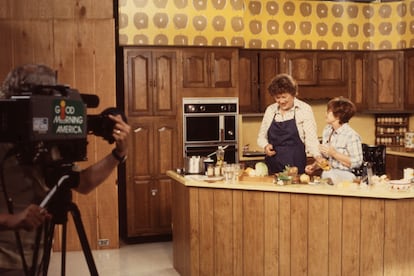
(230, 153)
(210, 128)
(198, 129)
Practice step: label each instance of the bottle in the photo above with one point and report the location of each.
(220, 156)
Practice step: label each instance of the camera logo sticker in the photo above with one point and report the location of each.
(69, 117)
(40, 125)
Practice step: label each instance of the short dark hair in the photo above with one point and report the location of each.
(283, 83)
(342, 108)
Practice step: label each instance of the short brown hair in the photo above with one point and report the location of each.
(342, 108)
(283, 83)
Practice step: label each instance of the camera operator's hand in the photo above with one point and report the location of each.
(29, 219)
(95, 174)
(120, 134)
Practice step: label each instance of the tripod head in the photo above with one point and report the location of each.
(62, 179)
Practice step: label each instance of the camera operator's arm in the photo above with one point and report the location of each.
(29, 219)
(95, 174)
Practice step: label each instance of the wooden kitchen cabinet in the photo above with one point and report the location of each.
(316, 68)
(386, 82)
(209, 68)
(409, 80)
(148, 190)
(150, 99)
(396, 165)
(256, 70)
(248, 81)
(269, 67)
(358, 75)
(150, 81)
(320, 74)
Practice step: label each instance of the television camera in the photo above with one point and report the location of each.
(49, 124)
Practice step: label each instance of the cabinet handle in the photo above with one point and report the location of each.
(138, 129)
(154, 192)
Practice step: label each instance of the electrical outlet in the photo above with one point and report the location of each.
(103, 242)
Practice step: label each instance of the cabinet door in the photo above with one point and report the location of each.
(223, 68)
(150, 82)
(269, 64)
(148, 191)
(140, 161)
(248, 81)
(195, 68)
(209, 68)
(386, 81)
(166, 146)
(164, 83)
(138, 82)
(409, 80)
(358, 79)
(149, 208)
(332, 68)
(302, 66)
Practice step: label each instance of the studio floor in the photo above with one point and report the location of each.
(146, 259)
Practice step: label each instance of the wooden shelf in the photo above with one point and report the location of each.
(390, 129)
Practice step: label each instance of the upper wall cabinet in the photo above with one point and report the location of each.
(256, 70)
(386, 81)
(248, 81)
(320, 74)
(316, 68)
(409, 81)
(150, 82)
(209, 68)
(358, 69)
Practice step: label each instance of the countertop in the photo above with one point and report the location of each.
(266, 184)
(399, 151)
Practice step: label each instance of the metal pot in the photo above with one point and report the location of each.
(194, 165)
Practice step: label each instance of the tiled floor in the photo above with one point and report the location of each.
(146, 259)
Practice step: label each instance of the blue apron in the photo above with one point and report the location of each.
(290, 150)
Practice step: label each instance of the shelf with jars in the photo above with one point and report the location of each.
(390, 129)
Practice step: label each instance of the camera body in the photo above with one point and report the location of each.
(50, 124)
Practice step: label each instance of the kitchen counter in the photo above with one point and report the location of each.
(259, 228)
(399, 152)
(346, 189)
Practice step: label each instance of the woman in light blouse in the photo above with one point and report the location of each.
(288, 128)
(341, 144)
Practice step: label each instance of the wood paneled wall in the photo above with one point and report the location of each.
(76, 38)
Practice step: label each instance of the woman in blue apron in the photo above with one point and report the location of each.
(289, 148)
(288, 129)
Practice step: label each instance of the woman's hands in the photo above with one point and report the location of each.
(269, 150)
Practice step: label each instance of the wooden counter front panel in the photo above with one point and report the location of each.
(233, 232)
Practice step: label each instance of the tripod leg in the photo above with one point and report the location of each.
(63, 256)
(47, 247)
(83, 239)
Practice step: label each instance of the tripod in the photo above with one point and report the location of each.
(59, 202)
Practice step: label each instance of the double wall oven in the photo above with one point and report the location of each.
(209, 123)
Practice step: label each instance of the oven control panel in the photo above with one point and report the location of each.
(210, 108)
(210, 105)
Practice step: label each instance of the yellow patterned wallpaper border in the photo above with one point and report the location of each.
(295, 24)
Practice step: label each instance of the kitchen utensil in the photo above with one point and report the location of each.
(213, 153)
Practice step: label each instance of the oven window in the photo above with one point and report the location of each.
(230, 128)
(202, 128)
